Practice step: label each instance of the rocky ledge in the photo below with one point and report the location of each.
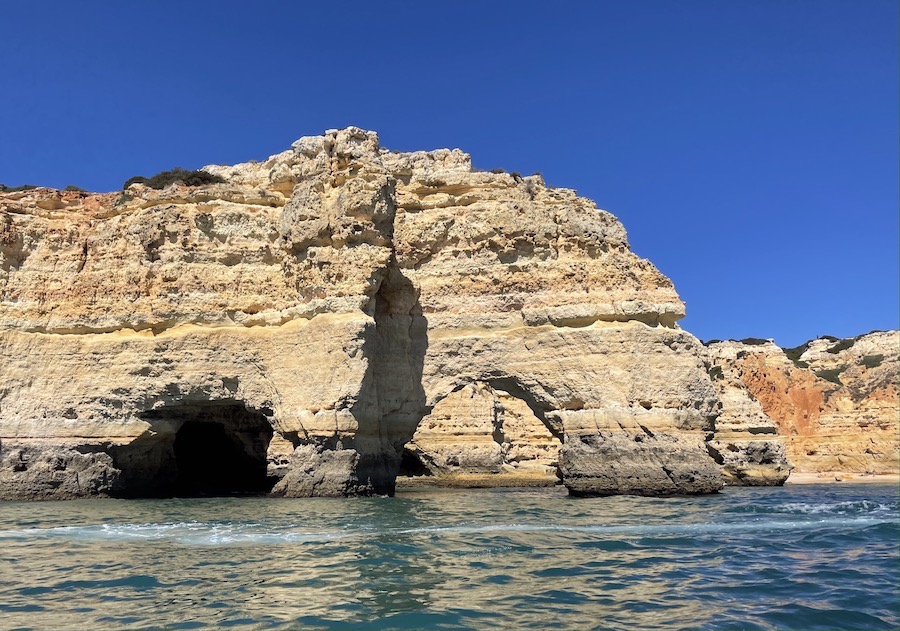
(318, 322)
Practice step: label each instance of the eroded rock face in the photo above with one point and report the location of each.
(746, 443)
(315, 308)
(482, 436)
(47, 471)
(835, 405)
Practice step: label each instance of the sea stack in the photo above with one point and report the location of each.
(312, 321)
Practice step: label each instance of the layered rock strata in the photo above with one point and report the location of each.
(288, 330)
(746, 443)
(834, 402)
(481, 436)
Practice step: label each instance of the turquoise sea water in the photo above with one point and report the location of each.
(798, 557)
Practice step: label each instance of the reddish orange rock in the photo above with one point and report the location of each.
(834, 401)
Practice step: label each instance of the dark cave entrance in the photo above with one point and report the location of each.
(213, 460)
(411, 465)
(204, 449)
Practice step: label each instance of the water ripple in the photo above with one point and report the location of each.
(813, 557)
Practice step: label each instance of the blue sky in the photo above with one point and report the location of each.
(749, 148)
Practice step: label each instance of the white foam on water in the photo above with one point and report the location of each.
(188, 533)
(660, 529)
(214, 534)
(839, 508)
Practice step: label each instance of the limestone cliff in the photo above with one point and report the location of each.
(289, 330)
(746, 442)
(833, 402)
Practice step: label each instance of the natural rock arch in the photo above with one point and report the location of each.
(483, 433)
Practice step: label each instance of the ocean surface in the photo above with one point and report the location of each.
(798, 557)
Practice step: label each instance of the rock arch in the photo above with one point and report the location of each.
(483, 433)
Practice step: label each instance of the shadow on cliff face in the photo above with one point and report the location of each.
(539, 408)
(196, 449)
(392, 398)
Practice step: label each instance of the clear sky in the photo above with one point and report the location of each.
(749, 148)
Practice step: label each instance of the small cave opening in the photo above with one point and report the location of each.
(206, 449)
(411, 465)
(212, 460)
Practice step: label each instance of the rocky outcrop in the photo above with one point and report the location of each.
(834, 402)
(290, 328)
(746, 442)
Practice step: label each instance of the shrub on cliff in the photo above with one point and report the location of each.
(16, 189)
(831, 374)
(794, 355)
(164, 178)
(872, 361)
(842, 345)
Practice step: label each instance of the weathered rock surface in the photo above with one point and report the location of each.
(613, 462)
(746, 442)
(293, 326)
(834, 402)
(47, 471)
(481, 436)
(314, 471)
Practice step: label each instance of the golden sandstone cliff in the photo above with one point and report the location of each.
(338, 314)
(835, 402)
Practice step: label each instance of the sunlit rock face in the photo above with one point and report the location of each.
(292, 329)
(834, 402)
(481, 436)
(746, 441)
